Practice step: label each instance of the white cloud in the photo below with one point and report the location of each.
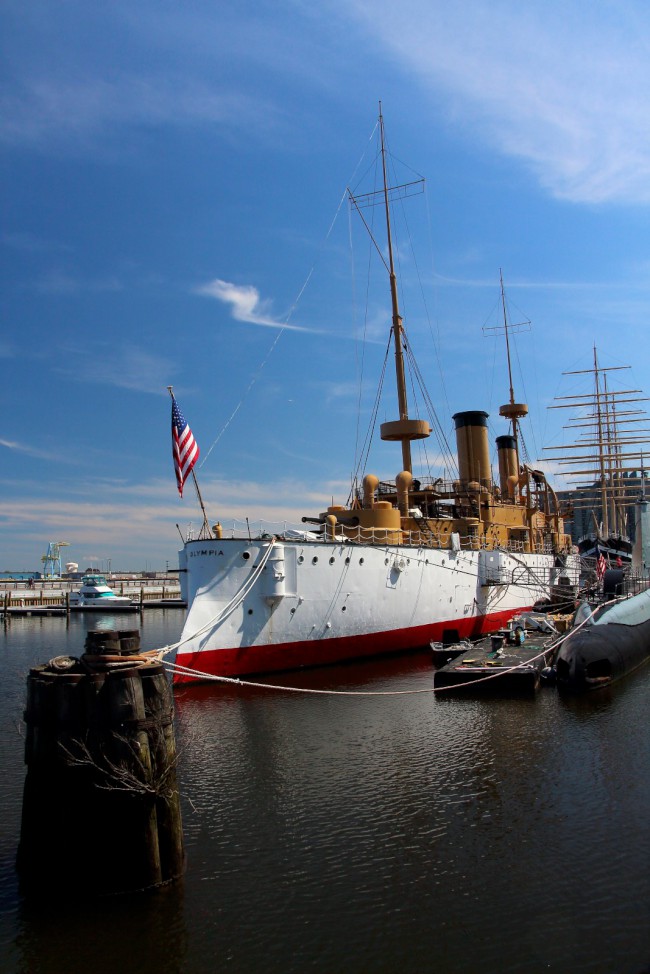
(561, 85)
(60, 282)
(246, 304)
(55, 112)
(123, 523)
(29, 451)
(126, 368)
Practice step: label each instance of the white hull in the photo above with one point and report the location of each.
(311, 603)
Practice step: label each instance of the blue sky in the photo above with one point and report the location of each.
(173, 177)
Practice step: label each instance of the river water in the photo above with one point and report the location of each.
(384, 834)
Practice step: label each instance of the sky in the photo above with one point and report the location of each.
(175, 213)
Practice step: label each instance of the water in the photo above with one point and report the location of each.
(353, 834)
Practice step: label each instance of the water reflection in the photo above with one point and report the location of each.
(144, 933)
(406, 833)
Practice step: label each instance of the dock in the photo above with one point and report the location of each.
(31, 608)
(494, 665)
(50, 597)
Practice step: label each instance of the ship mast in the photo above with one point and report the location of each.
(601, 453)
(404, 429)
(514, 411)
(607, 440)
(397, 318)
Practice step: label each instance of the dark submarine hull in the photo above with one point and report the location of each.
(616, 643)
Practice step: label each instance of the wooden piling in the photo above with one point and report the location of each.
(101, 808)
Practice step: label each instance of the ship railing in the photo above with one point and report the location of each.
(292, 531)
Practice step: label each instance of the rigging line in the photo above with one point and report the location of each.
(357, 454)
(550, 646)
(243, 398)
(312, 691)
(360, 356)
(447, 454)
(435, 340)
(288, 316)
(275, 341)
(367, 443)
(225, 610)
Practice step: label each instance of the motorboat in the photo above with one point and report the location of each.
(95, 593)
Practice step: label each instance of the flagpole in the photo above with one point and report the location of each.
(206, 523)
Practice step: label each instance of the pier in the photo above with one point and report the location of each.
(100, 751)
(51, 596)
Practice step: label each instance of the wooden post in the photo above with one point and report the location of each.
(101, 760)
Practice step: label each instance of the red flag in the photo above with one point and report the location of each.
(184, 447)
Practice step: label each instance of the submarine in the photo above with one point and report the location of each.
(606, 643)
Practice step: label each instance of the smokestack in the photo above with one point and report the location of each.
(507, 450)
(472, 444)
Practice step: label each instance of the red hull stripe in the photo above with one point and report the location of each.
(247, 660)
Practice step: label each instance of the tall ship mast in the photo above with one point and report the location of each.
(406, 560)
(604, 464)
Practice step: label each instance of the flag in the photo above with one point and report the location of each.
(601, 564)
(184, 447)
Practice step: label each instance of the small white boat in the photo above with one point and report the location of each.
(95, 593)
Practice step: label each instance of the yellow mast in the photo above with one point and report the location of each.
(512, 410)
(403, 429)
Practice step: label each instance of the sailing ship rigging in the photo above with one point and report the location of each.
(608, 451)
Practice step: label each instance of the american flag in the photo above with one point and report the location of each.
(601, 564)
(184, 447)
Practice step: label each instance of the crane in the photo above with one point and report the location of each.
(52, 559)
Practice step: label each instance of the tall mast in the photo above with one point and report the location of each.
(513, 411)
(607, 450)
(397, 318)
(505, 326)
(401, 430)
(601, 452)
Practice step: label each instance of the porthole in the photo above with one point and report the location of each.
(361, 560)
(314, 560)
(343, 608)
(332, 560)
(347, 561)
(250, 612)
(246, 555)
(300, 559)
(292, 611)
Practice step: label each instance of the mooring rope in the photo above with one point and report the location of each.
(227, 609)
(246, 587)
(237, 681)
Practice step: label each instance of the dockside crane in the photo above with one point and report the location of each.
(52, 559)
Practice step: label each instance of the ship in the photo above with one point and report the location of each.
(402, 563)
(604, 464)
(612, 641)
